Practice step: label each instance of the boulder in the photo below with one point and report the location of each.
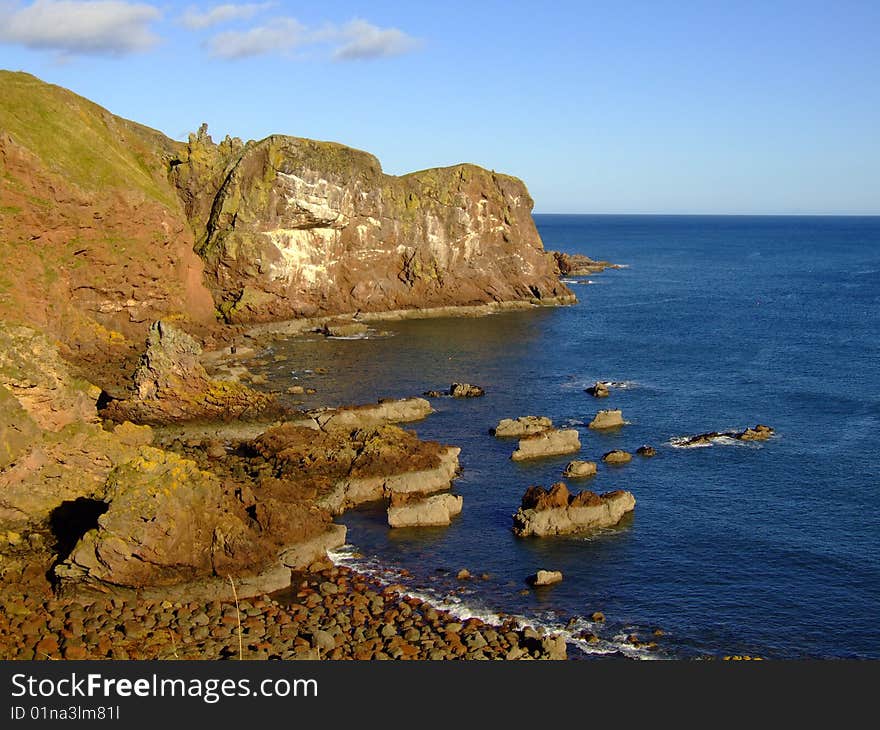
(607, 419)
(437, 510)
(598, 390)
(545, 578)
(580, 469)
(552, 442)
(646, 451)
(557, 512)
(617, 456)
(522, 426)
(465, 390)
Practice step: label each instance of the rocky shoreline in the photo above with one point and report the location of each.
(329, 613)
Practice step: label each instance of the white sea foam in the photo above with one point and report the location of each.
(462, 609)
(368, 335)
(681, 442)
(582, 383)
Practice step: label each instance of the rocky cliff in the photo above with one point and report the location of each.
(94, 241)
(101, 218)
(301, 228)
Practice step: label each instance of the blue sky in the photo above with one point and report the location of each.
(601, 107)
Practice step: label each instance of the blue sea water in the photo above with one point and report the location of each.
(769, 549)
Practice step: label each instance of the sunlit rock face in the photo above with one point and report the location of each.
(300, 228)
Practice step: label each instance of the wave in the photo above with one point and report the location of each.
(582, 383)
(466, 605)
(369, 335)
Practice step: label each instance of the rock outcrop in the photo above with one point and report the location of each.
(607, 419)
(52, 447)
(403, 410)
(466, 390)
(558, 512)
(171, 385)
(303, 228)
(167, 523)
(340, 468)
(617, 456)
(580, 469)
(646, 451)
(434, 511)
(758, 433)
(113, 514)
(598, 390)
(580, 265)
(522, 426)
(545, 578)
(553, 442)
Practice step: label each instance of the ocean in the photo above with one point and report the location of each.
(767, 549)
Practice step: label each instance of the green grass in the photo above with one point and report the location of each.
(82, 141)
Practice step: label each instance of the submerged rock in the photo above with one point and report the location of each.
(522, 426)
(552, 442)
(607, 419)
(557, 512)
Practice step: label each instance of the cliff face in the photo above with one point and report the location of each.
(102, 221)
(93, 238)
(301, 228)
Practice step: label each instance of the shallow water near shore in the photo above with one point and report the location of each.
(717, 324)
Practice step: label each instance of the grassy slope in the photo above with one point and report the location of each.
(81, 141)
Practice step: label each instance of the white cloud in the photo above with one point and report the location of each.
(102, 27)
(362, 40)
(194, 19)
(356, 40)
(282, 34)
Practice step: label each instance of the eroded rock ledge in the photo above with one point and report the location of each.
(558, 512)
